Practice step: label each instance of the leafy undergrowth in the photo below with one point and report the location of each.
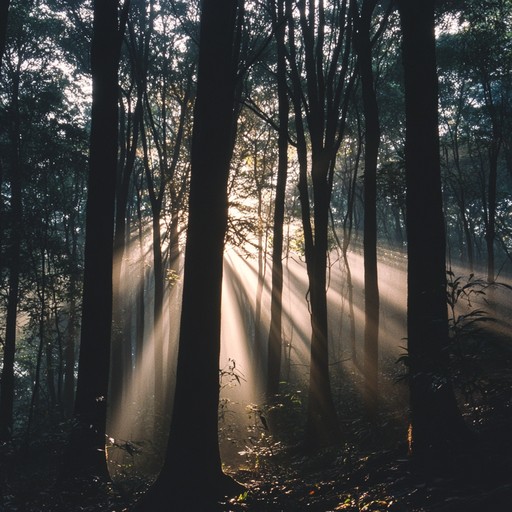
(335, 479)
(378, 481)
(369, 472)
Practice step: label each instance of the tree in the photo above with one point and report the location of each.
(129, 121)
(164, 129)
(488, 38)
(436, 425)
(15, 77)
(363, 46)
(192, 460)
(321, 83)
(85, 456)
(43, 144)
(274, 337)
(4, 11)
(14, 257)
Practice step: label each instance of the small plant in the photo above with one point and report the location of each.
(464, 320)
(260, 445)
(403, 360)
(230, 375)
(461, 295)
(465, 340)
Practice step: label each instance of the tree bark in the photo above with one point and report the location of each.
(322, 422)
(14, 253)
(436, 426)
(192, 466)
(276, 304)
(4, 12)
(121, 348)
(371, 149)
(323, 101)
(68, 394)
(490, 228)
(85, 456)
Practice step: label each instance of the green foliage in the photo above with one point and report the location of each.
(464, 322)
(466, 342)
(461, 293)
(477, 355)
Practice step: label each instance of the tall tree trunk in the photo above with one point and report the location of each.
(158, 279)
(458, 185)
(121, 349)
(261, 260)
(4, 12)
(322, 423)
(14, 254)
(192, 466)
(141, 287)
(262, 243)
(41, 293)
(158, 310)
(156, 196)
(276, 304)
(324, 101)
(59, 378)
(490, 228)
(85, 456)
(348, 224)
(69, 349)
(371, 149)
(436, 425)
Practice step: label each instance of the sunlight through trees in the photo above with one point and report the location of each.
(255, 254)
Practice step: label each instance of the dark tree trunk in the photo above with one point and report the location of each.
(322, 423)
(436, 426)
(7, 383)
(158, 280)
(14, 264)
(4, 11)
(121, 349)
(323, 99)
(348, 223)
(276, 304)
(69, 349)
(85, 456)
(41, 293)
(167, 165)
(59, 377)
(262, 264)
(141, 287)
(490, 228)
(371, 148)
(158, 311)
(174, 245)
(459, 191)
(192, 466)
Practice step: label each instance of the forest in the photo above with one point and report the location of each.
(255, 255)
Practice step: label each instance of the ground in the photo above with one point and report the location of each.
(285, 479)
(369, 471)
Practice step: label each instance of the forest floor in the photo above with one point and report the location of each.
(332, 480)
(369, 472)
(341, 478)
